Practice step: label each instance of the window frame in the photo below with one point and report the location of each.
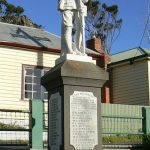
(24, 67)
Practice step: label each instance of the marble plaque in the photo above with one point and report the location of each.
(83, 120)
(55, 129)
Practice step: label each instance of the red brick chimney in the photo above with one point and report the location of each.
(95, 44)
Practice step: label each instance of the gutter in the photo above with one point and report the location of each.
(130, 60)
(18, 45)
(44, 49)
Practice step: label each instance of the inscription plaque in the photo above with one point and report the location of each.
(55, 131)
(83, 120)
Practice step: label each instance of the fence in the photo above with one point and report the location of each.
(121, 124)
(14, 127)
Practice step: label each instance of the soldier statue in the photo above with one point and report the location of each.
(73, 13)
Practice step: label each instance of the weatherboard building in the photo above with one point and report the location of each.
(26, 54)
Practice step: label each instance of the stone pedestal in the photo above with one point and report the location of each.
(74, 87)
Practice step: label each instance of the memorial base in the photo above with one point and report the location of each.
(74, 89)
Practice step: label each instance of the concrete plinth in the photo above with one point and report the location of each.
(74, 89)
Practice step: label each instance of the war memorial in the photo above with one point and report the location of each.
(74, 87)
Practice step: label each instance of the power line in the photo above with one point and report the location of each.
(145, 28)
(146, 24)
(147, 21)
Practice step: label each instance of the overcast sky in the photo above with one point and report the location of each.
(133, 12)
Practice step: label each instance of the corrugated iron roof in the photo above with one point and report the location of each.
(129, 54)
(31, 36)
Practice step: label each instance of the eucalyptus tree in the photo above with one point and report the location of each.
(10, 13)
(102, 22)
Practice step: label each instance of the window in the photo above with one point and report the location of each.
(32, 87)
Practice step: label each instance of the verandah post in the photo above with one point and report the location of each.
(146, 120)
(37, 124)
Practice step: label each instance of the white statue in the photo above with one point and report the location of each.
(73, 11)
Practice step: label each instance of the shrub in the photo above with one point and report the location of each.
(10, 126)
(121, 139)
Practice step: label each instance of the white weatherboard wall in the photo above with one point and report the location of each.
(130, 83)
(11, 66)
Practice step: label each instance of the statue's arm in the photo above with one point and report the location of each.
(81, 7)
(60, 4)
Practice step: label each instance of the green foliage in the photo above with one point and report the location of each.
(13, 127)
(19, 20)
(132, 139)
(13, 10)
(102, 22)
(120, 139)
(13, 141)
(93, 6)
(10, 13)
(8, 9)
(111, 9)
(10, 126)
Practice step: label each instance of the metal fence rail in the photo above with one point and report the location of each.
(14, 127)
(122, 124)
